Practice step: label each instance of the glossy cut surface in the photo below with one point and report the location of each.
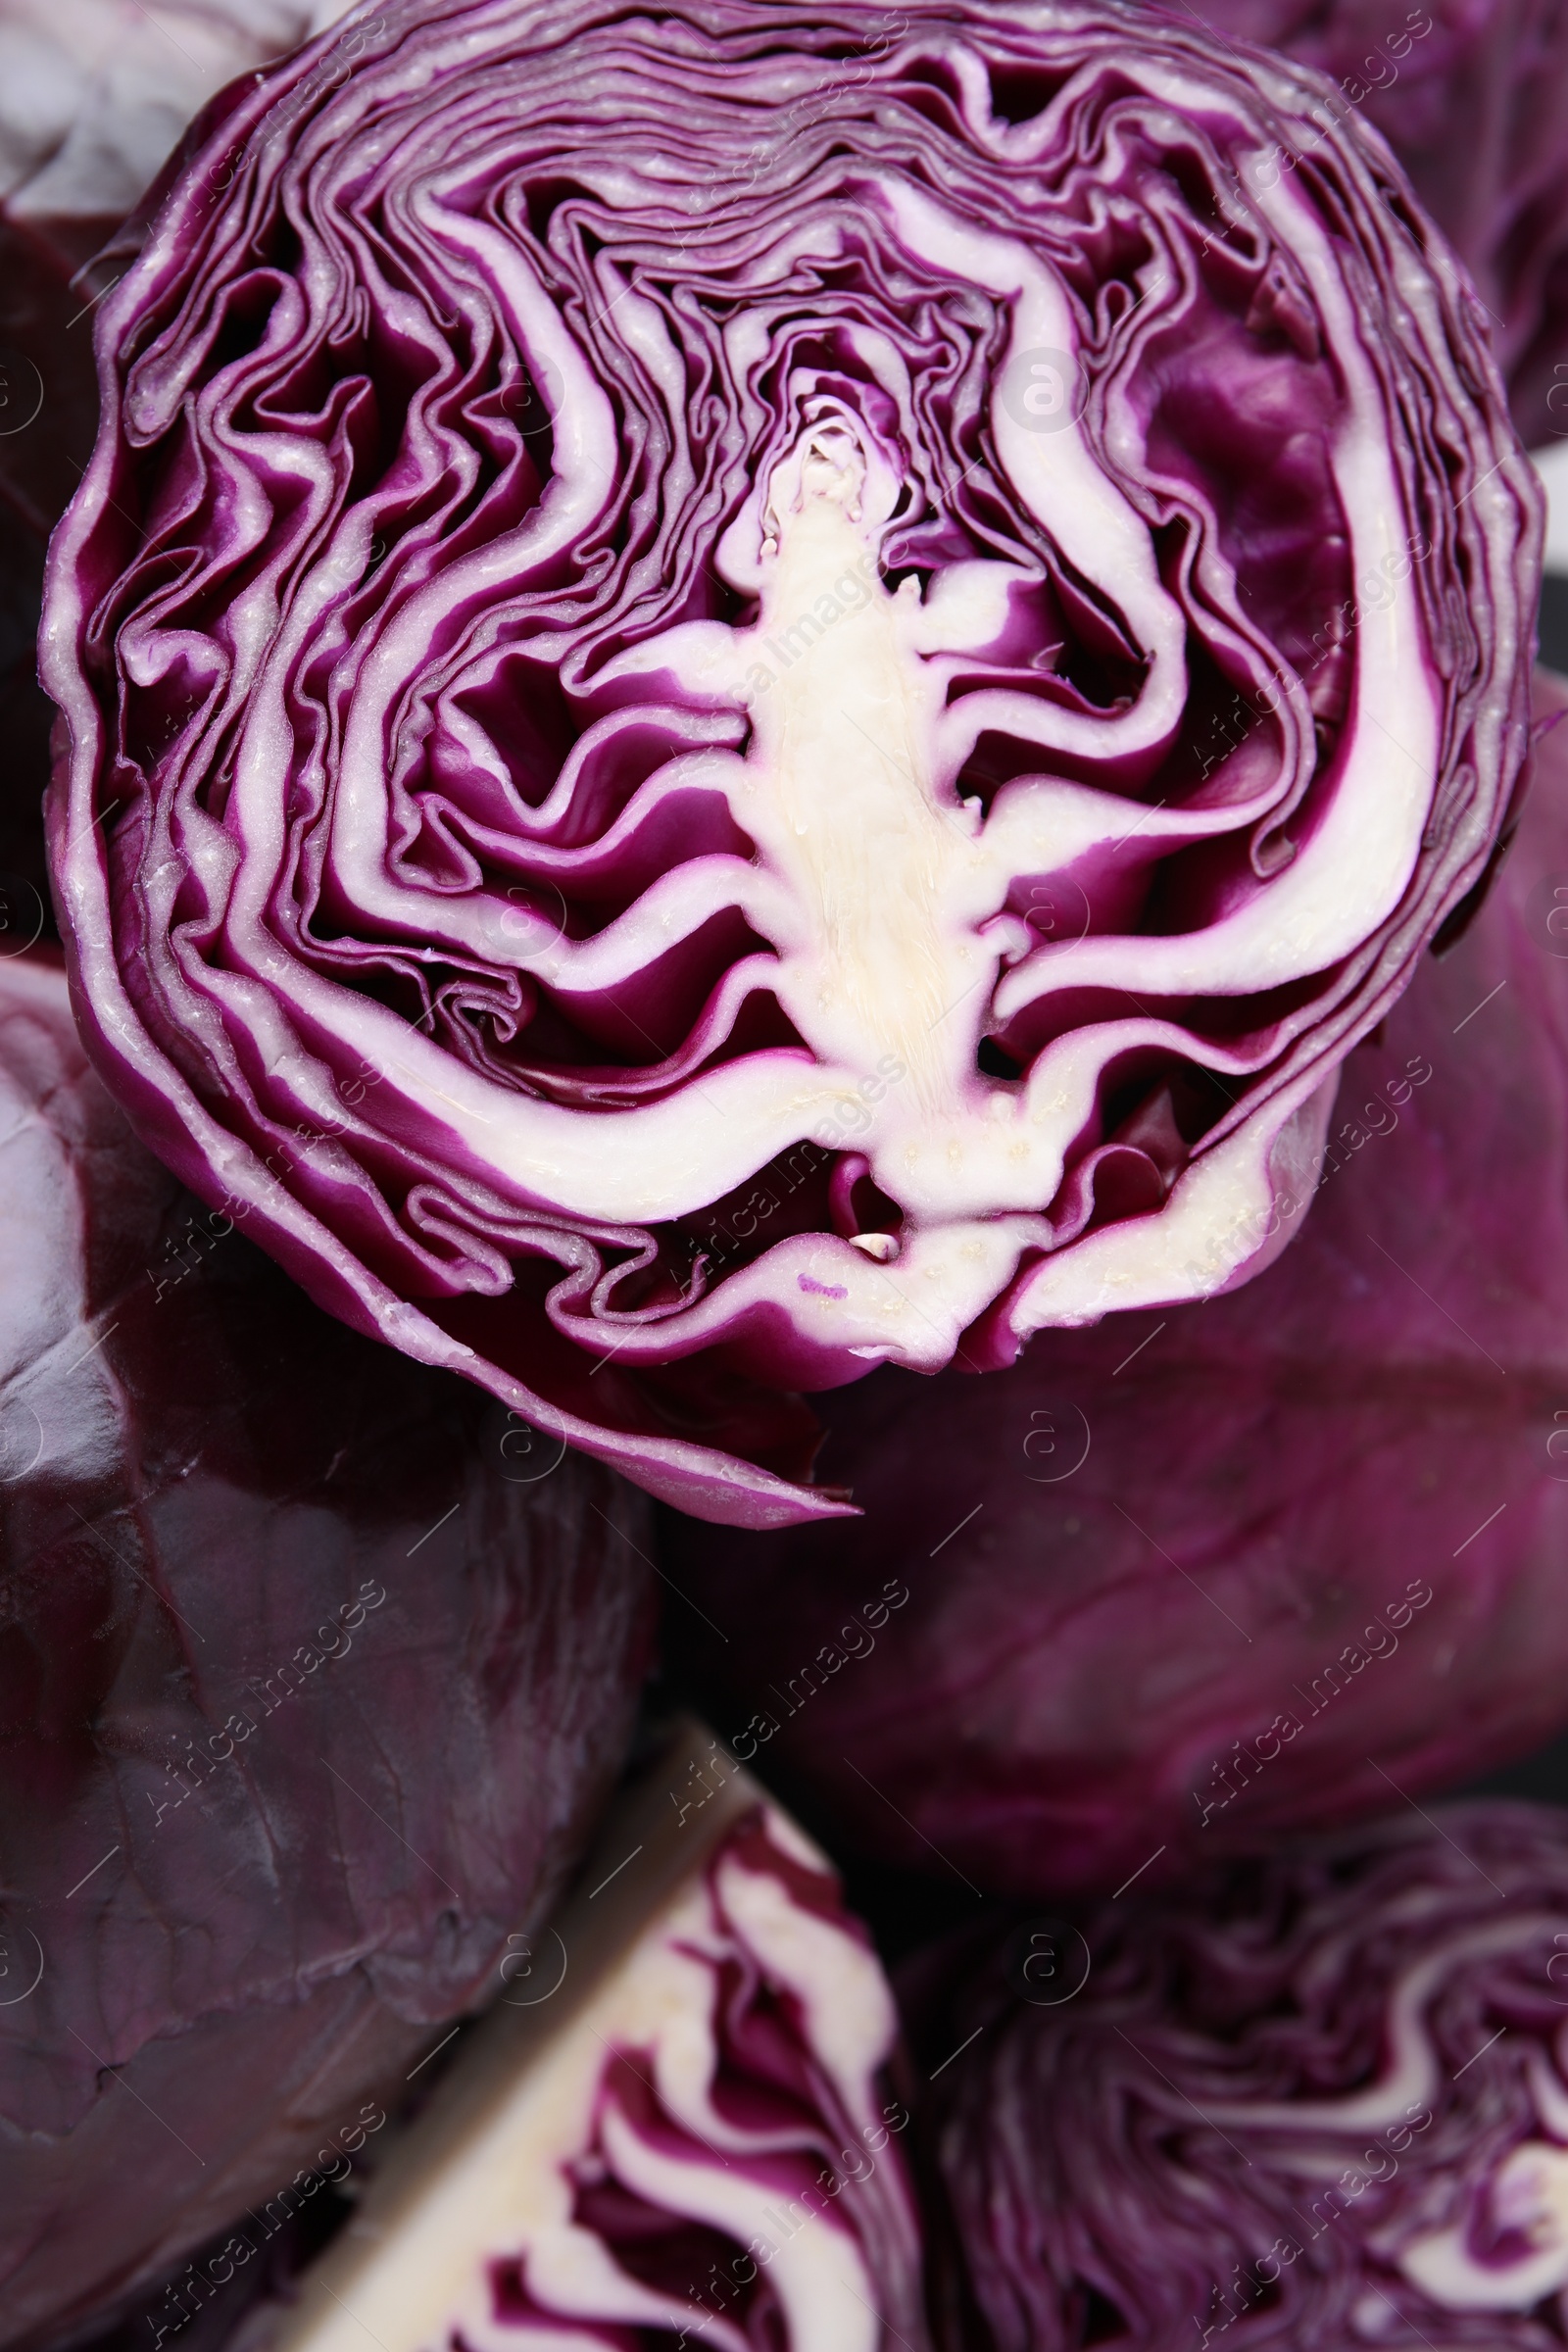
(745, 703)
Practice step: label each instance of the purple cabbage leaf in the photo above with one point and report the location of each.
(94, 96)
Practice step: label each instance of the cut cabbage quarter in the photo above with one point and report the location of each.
(676, 2123)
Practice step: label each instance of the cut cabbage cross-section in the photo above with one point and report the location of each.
(750, 697)
(1315, 2102)
(674, 2126)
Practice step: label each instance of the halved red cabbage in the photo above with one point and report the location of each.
(1181, 1584)
(1318, 2105)
(676, 2126)
(1472, 95)
(310, 1689)
(750, 697)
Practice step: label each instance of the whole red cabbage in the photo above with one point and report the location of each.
(1181, 1583)
(1320, 2103)
(749, 696)
(1472, 95)
(312, 1680)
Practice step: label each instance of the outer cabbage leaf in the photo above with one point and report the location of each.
(1318, 2103)
(1179, 1584)
(742, 701)
(311, 1686)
